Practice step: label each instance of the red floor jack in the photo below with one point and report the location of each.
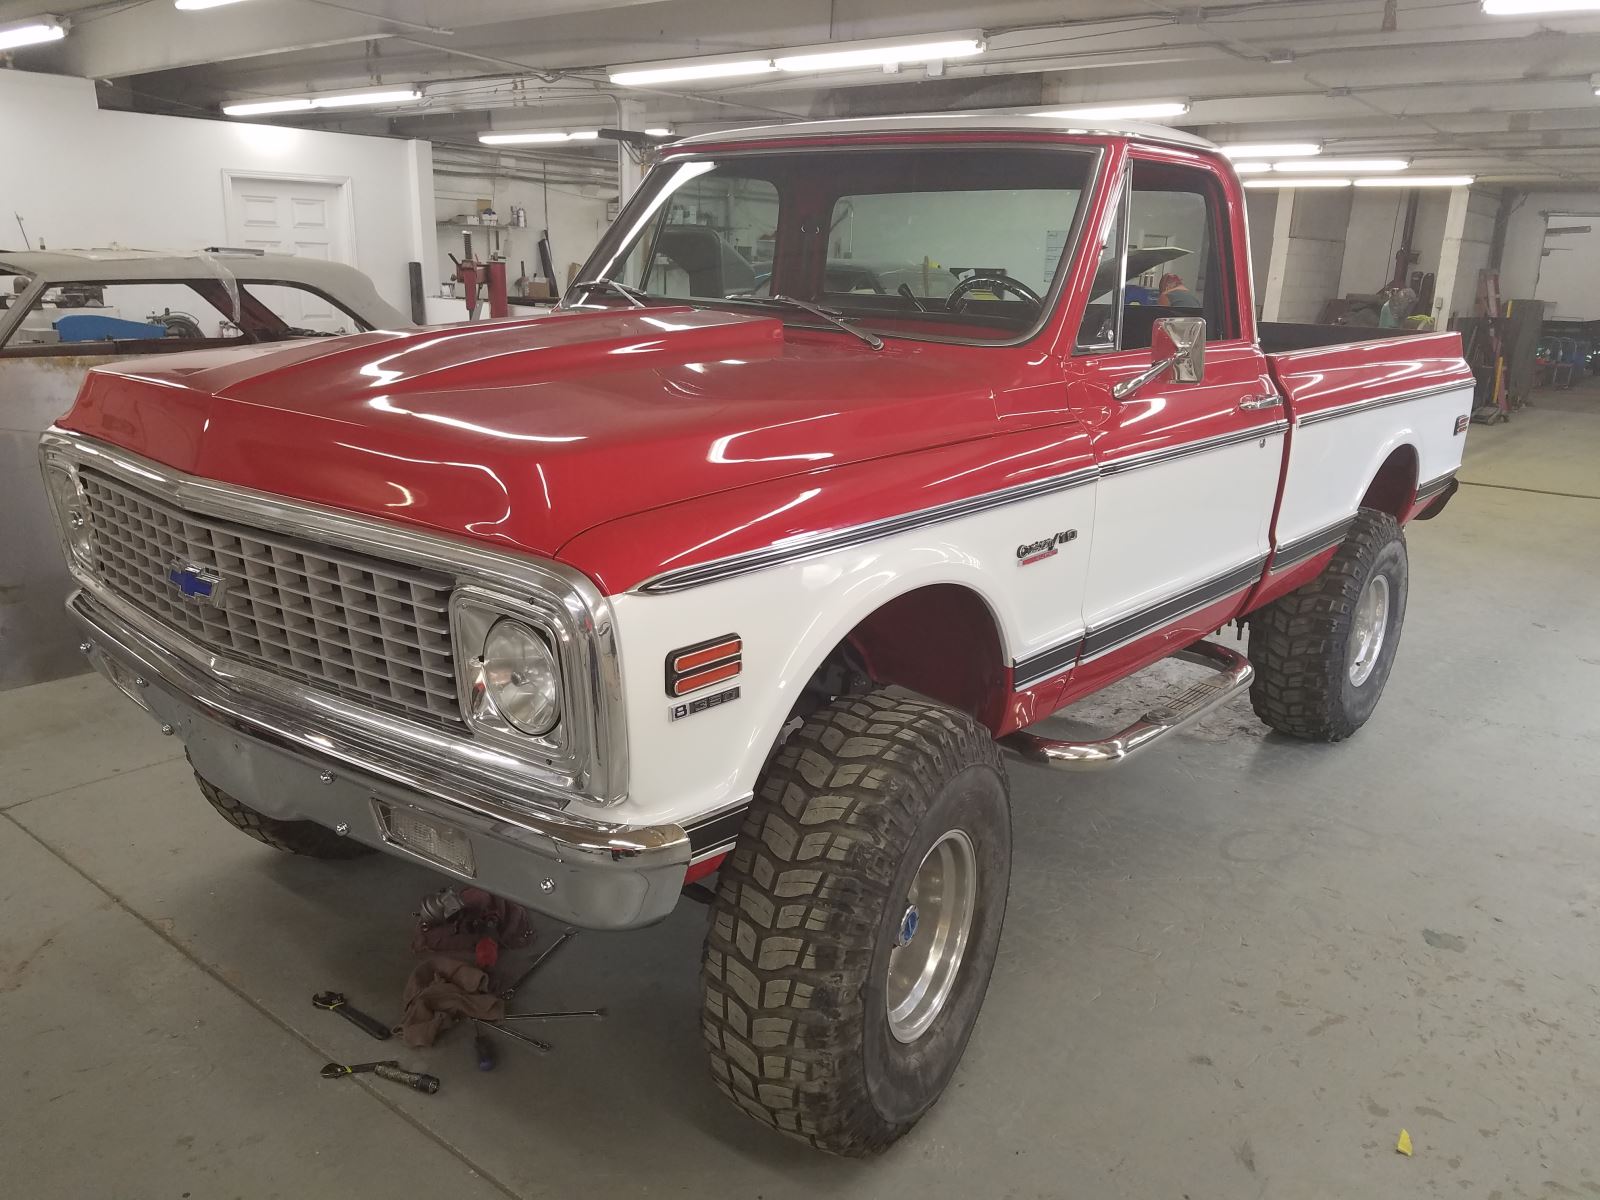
(476, 277)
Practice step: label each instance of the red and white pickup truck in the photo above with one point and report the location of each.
(862, 447)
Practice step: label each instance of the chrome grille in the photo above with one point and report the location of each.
(376, 630)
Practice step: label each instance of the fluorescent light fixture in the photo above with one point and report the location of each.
(1411, 181)
(1251, 168)
(197, 5)
(1528, 8)
(1354, 165)
(644, 76)
(881, 55)
(658, 131)
(260, 108)
(1122, 112)
(34, 32)
(1258, 150)
(1297, 183)
(355, 99)
(537, 136)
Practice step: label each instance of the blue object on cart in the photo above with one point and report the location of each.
(89, 328)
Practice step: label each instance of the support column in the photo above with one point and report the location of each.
(1450, 254)
(629, 173)
(1278, 258)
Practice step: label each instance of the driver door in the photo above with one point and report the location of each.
(1188, 471)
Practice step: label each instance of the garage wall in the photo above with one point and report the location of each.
(83, 177)
(1376, 218)
(575, 222)
(1520, 265)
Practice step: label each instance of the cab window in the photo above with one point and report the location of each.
(1170, 249)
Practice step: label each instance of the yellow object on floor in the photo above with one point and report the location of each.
(1404, 1144)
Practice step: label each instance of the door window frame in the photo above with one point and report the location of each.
(1224, 235)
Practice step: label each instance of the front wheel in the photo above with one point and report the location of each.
(857, 921)
(1323, 652)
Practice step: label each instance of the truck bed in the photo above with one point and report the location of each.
(1284, 336)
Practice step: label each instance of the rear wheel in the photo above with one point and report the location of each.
(296, 837)
(857, 920)
(1323, 653)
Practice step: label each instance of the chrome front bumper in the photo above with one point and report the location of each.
(281, 761)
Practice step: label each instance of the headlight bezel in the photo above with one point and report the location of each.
(69, 504)
(474, 612)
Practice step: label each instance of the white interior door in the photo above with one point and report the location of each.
(292, 216)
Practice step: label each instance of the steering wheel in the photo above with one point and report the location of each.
(957, 299)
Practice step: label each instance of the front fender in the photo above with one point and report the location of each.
(789, 617)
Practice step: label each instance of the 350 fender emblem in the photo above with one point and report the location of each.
(1033, 552)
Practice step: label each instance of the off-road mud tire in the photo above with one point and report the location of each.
(809, 905)
(1300, 644)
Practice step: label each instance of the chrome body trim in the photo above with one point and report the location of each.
(1113, 635)
(1166, 454)
(287, 761)
(592, 765)
(1312, 544)
(1233, 674)
(855, 535)
(1361, 406)
(1427, 491)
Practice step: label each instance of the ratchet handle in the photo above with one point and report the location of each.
(365, 1023)
(412, 1079)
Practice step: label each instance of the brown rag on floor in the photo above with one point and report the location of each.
(439, 993)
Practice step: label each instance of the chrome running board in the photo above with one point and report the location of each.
(1233, 675)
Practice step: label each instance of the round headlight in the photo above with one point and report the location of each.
(520, 677)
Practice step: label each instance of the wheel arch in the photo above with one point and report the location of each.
(895, 641)
(1393, 486)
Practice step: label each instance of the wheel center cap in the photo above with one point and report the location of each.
(908, 926)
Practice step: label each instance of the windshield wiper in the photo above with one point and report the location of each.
(633, 296)
(836, 319)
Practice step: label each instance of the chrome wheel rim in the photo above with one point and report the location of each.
(1371, 624)
(931, 938)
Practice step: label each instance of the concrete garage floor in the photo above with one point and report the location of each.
(1238, 967)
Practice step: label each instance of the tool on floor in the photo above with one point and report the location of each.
(517, 983)
(389, 1069)
(335, 1002)
(440, 907)
(596, 1013)
(484, 1049)
(541, 1047)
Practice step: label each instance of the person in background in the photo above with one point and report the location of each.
(1175, 295)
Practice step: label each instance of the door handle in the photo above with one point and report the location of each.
(1256, 403)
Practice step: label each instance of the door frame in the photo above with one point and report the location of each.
(344, 184)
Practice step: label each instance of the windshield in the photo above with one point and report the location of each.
(947, 242)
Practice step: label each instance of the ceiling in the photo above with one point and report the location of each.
(1437, 81)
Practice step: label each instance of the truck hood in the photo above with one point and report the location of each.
(526, 433)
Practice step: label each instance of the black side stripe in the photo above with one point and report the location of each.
(1433, 487)
(1136, 625)
(1057, 659)
(1050, 662)
(1311, 544)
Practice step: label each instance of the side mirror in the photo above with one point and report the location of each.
(1177, 344)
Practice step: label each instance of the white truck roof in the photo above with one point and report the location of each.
(979, 120)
